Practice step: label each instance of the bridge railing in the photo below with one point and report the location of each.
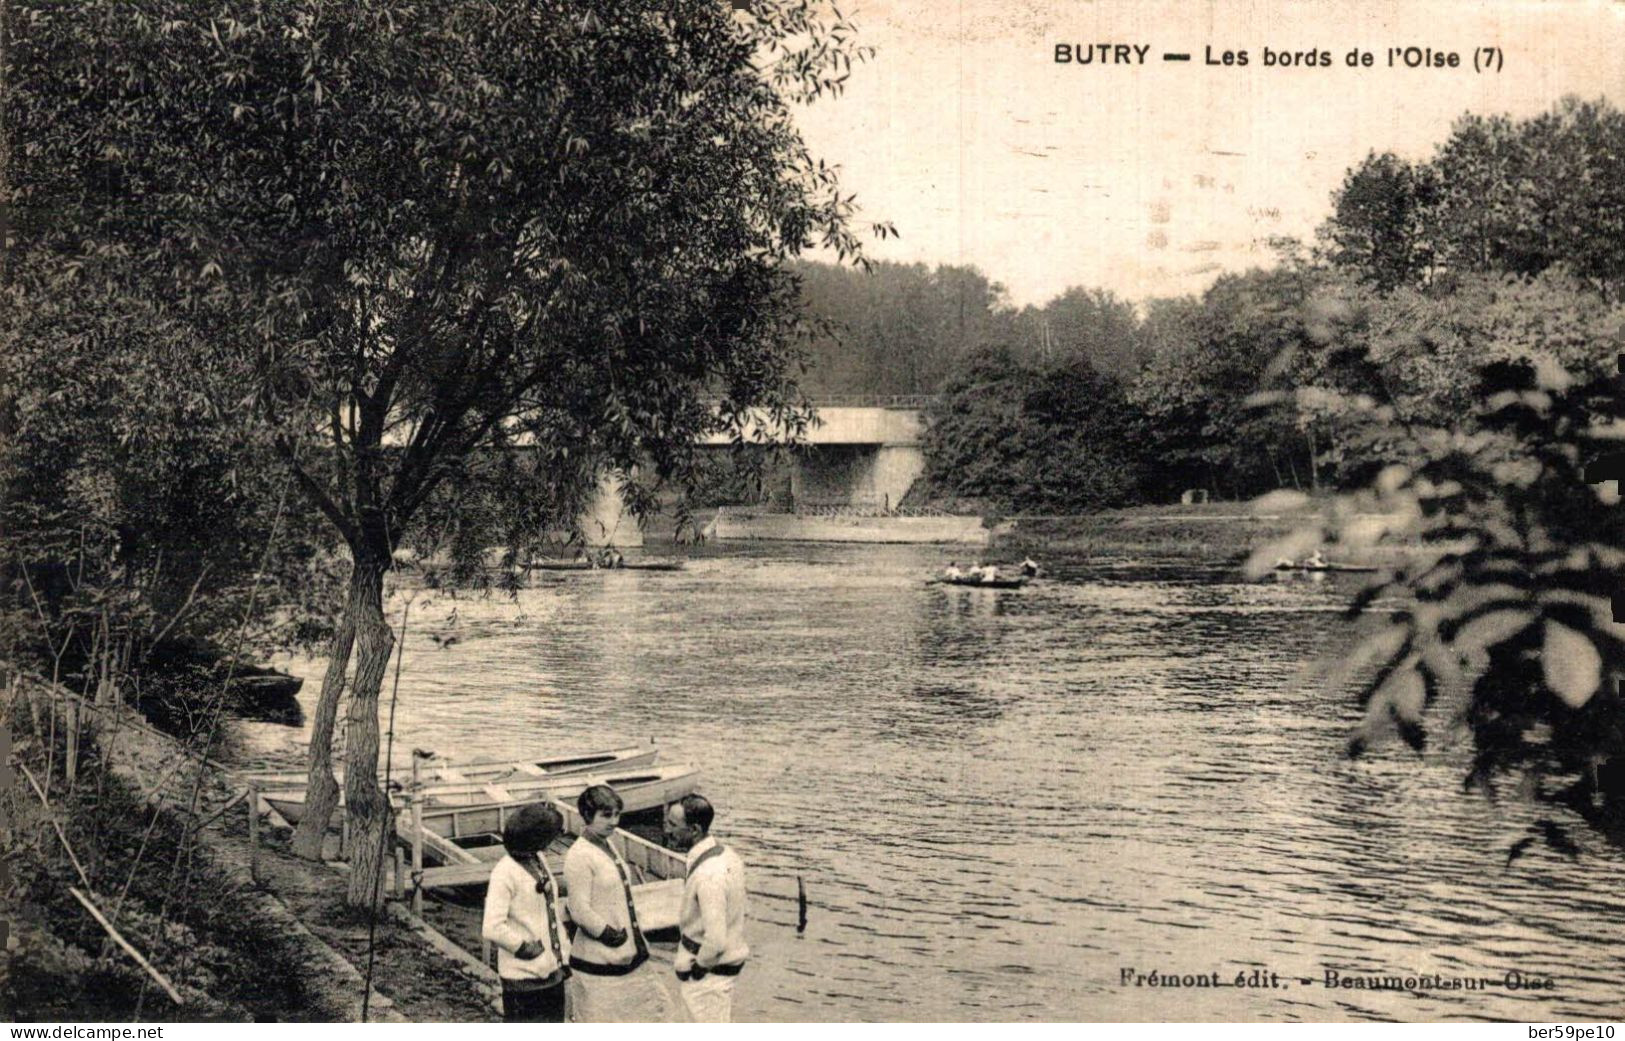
(910, 401)
(856, 509)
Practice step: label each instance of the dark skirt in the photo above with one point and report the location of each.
(530, 1004)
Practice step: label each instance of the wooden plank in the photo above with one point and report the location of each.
(118, 938)
(658, 903)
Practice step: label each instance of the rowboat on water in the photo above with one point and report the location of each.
(653, 787)
(997, 583)
(1325, 567)
(495, 771)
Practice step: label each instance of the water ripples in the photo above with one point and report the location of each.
(998, 801)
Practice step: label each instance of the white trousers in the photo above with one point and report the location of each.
(641, 996)
(711, 999)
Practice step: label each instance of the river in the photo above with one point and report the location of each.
(999, 802)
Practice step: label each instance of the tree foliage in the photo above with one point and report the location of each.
(430, 231)
(1498, 195)
(135, 518)
(1209, 359)
(1506, 620)
(892, 328)
(1377, 228)
(1094, 326)
(1058, 438)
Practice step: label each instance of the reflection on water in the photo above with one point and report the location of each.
(999, 801)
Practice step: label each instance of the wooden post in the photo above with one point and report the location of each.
(400, 872)
(254, 833)
(417, 841)
(71, 766)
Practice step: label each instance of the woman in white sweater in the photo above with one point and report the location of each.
(522, 918)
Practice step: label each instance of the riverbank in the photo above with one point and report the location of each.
(227, 936)
(1219, 532)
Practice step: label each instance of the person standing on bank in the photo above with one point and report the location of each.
(609, 983)
(711, 949)
(522, 918)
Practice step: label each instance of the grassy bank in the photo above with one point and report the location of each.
(1225, 531)
(161, 892)
(278, 945)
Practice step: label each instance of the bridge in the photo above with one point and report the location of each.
(855, 453)
(858, 453)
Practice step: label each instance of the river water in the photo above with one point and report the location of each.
(1000, 802)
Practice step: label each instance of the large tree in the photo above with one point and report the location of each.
(1031, 436)
(1210, 358)
(430, 231)
(1502, 195)
(1378, 228)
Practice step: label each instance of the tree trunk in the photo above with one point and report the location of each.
(321, 790)
(366, 805)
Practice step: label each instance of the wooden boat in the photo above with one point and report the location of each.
(494, 771)
(463, 845)
(657, 786)
(578, 565)
(997, 583)
(1325, 567)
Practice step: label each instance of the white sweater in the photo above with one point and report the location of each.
(713, 912)
(597, 900)
(514, 914)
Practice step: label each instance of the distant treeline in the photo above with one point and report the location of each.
(1090, 402)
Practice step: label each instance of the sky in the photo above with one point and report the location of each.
(1150, 179)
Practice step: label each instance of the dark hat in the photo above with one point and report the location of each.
(532, 828)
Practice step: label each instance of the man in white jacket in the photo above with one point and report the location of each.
(610, 982)
(523, 919)
(711, 949)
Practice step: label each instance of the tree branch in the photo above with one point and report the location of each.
(316, 493)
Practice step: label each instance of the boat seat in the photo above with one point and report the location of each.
(498, 793)
(531, 768)
(451, 773)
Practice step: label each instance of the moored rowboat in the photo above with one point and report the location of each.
(491, 770)
(639, 790)
(465, 843)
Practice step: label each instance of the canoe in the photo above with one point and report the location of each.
(454, 770)
(998, 583)
(651, 565)
(653, 787)
(1325, 567)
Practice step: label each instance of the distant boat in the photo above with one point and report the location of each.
(577, 565)
(998, 583)
(1324, 567)
(649, 789)
(490, 770)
